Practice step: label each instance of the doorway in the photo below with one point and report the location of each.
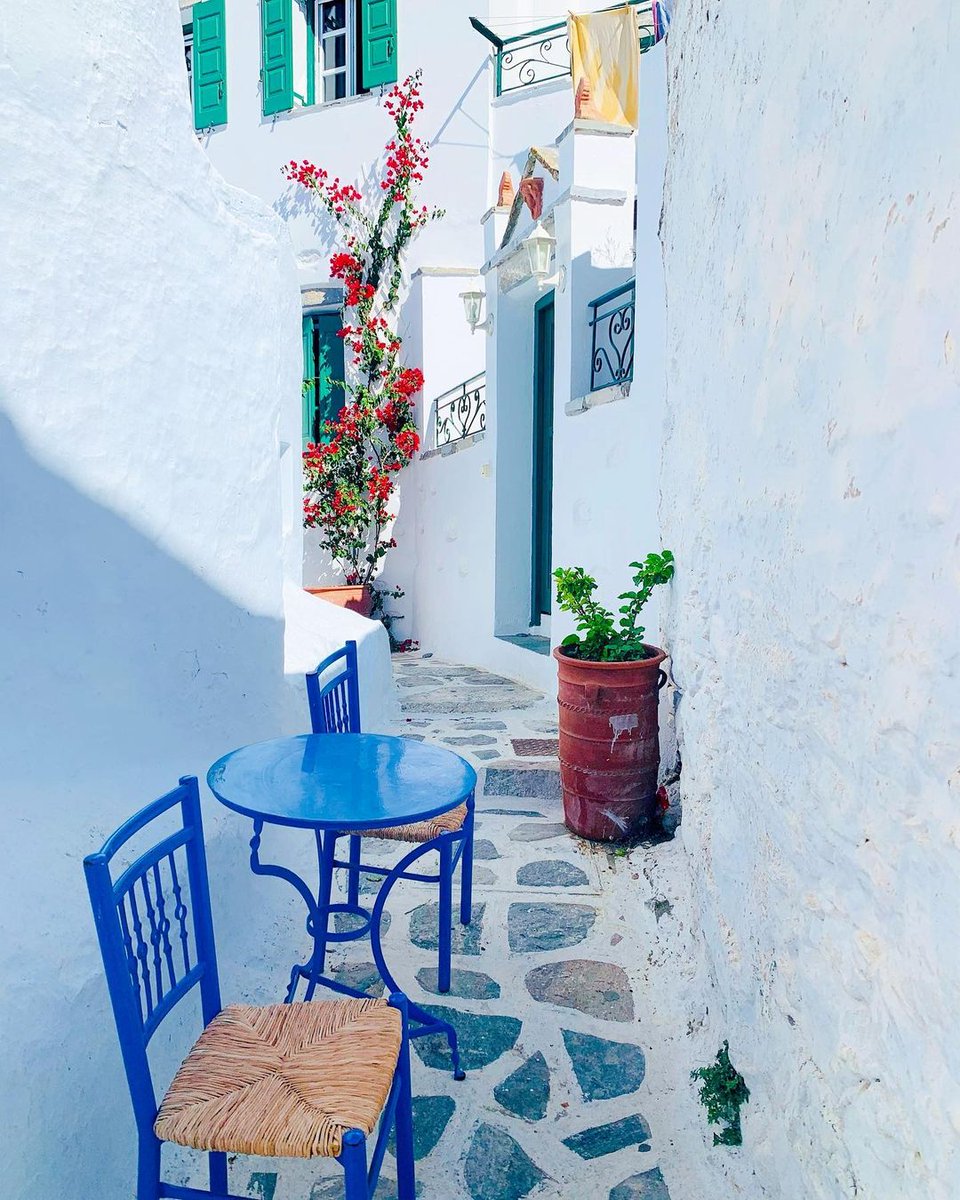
(542, 531)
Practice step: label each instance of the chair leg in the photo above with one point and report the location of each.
(353, 873)
(406, 1180)
(445, 946)
(326, 849)
(466, 869)
(353, 1158)
(218, 1174)
(148, 1168)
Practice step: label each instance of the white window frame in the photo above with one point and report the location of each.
(349, 70)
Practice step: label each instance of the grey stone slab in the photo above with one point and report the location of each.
(487, 755)
(556, 872)
(533, 927)
(528, 832)
(263, 1185)
(332, 1189)
(497, 1168)
(609, 1138)
(482, 1039)
(649, 1185)
(604, 1069)
(363, 976)
(598, 989)
(471, 725)
(522, 780)
(471, 739)
(425, 929)
(344, 922)
(483, 876)
(430, 1117)
(526, 1092)
(414, 737)
(484, 850)
(543, 727)
(510, 812)
(470, 985)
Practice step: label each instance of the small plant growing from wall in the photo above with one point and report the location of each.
(350, 475)
(722, 1093)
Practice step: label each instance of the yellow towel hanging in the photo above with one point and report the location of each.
(605, 62)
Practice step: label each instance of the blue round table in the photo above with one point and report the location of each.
(336, 784)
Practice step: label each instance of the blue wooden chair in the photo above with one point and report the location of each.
(333, 693)
(282, 1080)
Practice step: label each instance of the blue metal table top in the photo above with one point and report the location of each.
(341, 781)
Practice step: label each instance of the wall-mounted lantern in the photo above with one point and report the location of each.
(472, 303)
(538, 246)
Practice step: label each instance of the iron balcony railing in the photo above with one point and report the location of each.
(462, 411)
(612, 320)
(540, 55)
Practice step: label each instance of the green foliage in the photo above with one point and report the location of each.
(600, 637)
(722, 1092)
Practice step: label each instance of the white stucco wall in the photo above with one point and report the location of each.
(810, 491)
(150, 360)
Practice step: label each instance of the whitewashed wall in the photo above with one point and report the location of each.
(150, 362)
(810, 490)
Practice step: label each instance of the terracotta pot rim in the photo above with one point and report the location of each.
(339, 587)
(654, 659)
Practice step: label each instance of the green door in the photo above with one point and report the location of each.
(322, 373)
(542, 457)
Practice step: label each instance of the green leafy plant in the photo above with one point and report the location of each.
(722, 1092)
(600, 637)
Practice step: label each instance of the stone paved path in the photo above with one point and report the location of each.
(546, 993)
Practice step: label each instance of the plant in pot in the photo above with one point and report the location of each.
(350, 474)
(609, 680)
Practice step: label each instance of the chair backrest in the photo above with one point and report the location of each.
(155, 931)
(335, 702)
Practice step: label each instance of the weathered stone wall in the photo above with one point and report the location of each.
(810, 491)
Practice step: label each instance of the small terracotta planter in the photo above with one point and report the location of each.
(610, 744)
(357, 599)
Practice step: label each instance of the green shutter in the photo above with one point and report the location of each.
(209, 65)
(322, 374)
(378, 35)
(309, 380)
(276, 26)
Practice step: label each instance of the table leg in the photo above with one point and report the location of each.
(428, 1024)
(326, 847)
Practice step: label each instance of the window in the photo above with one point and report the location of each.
(188, 54)
(318, 51)
(335, 45)
(323, 372)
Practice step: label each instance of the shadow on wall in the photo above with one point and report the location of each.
(120, 670)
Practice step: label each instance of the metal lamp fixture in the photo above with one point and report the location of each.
(538, 246)
(472, 303)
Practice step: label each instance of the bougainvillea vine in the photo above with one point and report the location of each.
(350, 475)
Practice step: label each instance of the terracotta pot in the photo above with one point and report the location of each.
(609, 745)
(357, 599)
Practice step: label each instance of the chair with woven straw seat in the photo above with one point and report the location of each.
(296, 1080)
(333, 694)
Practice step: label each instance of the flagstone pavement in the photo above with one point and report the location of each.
(547, 991)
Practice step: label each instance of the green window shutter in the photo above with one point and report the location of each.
(323, 370)
(378, 36)
(209, 65)
(276, 27)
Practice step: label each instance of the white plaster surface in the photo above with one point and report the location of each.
(150, 362)
(810, 492)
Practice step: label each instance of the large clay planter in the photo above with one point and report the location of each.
(357, 599)
(609, 745)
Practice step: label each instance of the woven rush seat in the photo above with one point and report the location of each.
(284, 1080)
(422, 831)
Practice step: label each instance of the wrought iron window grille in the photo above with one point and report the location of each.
(461, 412)
(612, 317)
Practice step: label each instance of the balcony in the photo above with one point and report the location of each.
(461, 412)
(612, 325)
